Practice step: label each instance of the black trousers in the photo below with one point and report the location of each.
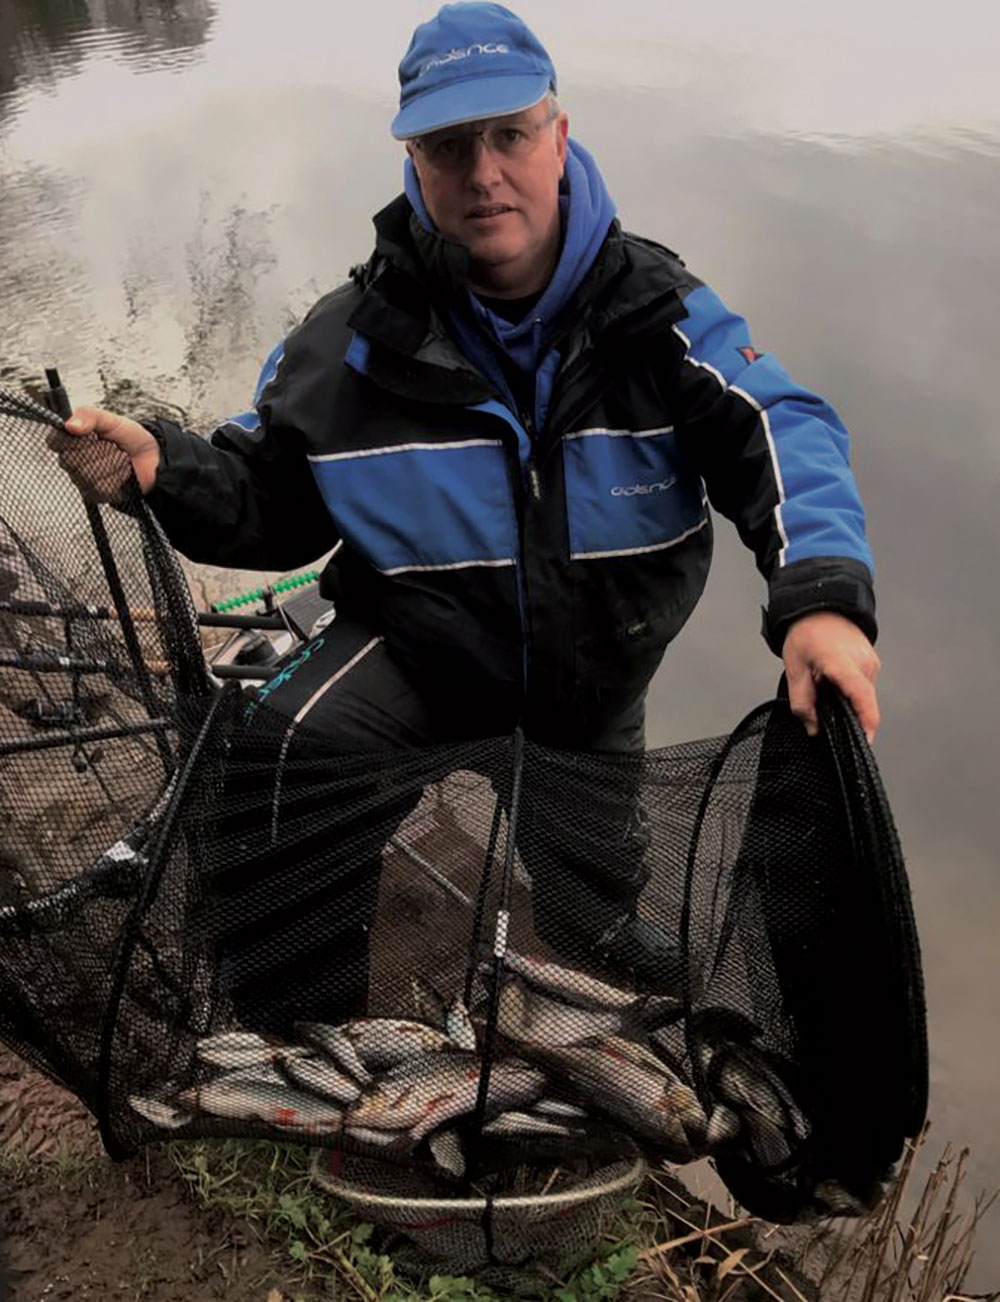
(290, 911)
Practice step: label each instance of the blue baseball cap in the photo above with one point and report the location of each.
(471, 61)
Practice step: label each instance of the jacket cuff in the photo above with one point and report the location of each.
(821, 583)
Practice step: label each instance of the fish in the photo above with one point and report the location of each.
(403, 1097)
(571, 986)
(420, 1097)
(770, 1144)
(656, 1011)
(529, 1017)
(522, 1125)
(383, 1042)
(655, 1104)
(723, 1127)
(237, 1049)
(248, 1100)
(458, 1025)
(318, 1077)
(231, 1041)
(429, 1005)
(446, 1149)
(513, 1084)
(557, 1108)
(396, 1139)
(161, 1114)
(670, 1045)
(335, 1045)
(758, 1092)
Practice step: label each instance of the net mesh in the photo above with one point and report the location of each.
(492, 976)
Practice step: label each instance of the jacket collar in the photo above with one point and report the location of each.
(415, 277)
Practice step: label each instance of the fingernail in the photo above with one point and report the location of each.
(74, 423)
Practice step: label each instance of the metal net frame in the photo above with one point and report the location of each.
(492, 974)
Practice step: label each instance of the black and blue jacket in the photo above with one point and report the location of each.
(547, 561)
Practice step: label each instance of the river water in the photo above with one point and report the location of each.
(180, 178)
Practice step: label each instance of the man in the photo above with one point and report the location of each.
(508, 425)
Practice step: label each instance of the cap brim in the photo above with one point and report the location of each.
(468, 101)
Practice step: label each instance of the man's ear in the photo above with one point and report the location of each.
(562, 135)
(409, 147)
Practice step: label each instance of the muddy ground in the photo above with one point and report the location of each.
(75, 1225)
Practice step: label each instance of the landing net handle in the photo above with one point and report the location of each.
(57, 400)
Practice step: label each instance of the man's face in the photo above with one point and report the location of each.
(493, 186)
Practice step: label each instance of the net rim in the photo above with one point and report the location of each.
(505, 1202)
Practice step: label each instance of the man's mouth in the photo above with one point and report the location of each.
(489, 210)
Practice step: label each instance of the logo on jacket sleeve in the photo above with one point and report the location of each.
(749, 354)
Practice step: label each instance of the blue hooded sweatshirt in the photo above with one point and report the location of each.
(586, 212)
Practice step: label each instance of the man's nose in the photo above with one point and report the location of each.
(484, 168)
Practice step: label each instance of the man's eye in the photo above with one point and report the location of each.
(448, 148)
(511, 135)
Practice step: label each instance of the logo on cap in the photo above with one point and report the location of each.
(490, 47)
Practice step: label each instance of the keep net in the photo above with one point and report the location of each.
(480, 972)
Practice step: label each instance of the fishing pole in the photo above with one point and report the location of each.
(141, 615)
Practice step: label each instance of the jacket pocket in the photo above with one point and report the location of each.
(628, 492)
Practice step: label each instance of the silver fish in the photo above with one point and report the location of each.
(429, 1005)
(446, 1149)
(383, 1042)
(769, 1143)
(319, 1077)
(237, 1049)
(557, 1108)
(458, 1025)
(249, 1100)
(404, 1096)
(396, 1139)
(161, 1114)
(723, 1127)
(513, 1084)
(670, 1044)
(422, 1098)
(759, 1092)
(331, 1041)
(522, 1125)
(566, 984)
(231, 1041)
(655, 1104)
(529, 1017)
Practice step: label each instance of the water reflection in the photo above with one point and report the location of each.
(43, 40)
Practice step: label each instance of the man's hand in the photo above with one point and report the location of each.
(828, 645)
(99, 449)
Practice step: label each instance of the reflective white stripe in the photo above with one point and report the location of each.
(500, 943)
(407, 447)
(335, 678)
(705, 366)
(620, 433)
(286, 741)
(452, 565)
(766, 424)
(638, 551)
